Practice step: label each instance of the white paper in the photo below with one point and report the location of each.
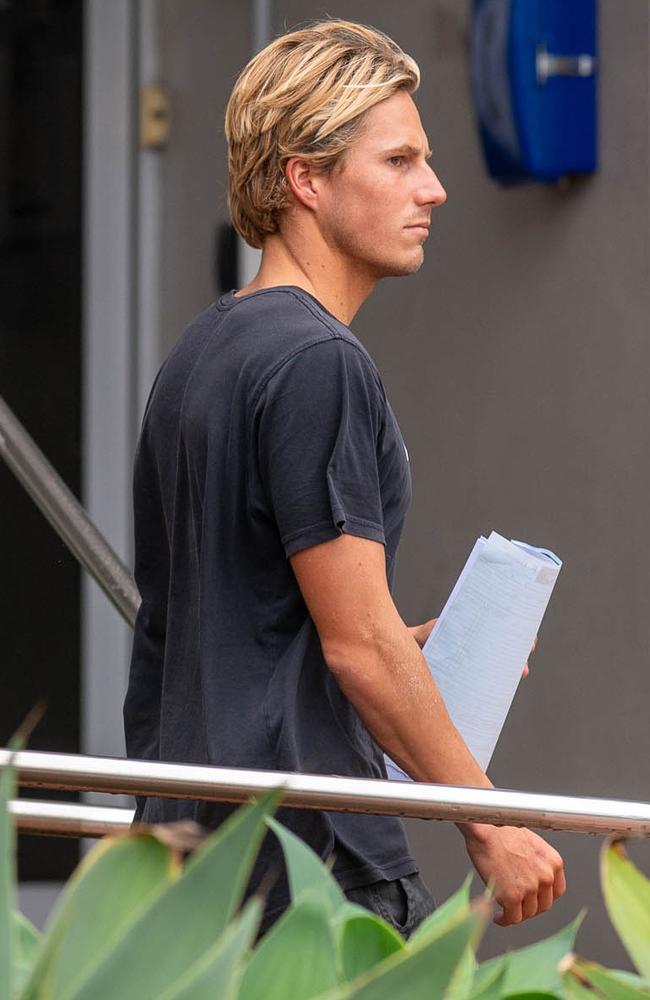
(482, 639)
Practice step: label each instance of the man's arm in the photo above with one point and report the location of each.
(379, 666)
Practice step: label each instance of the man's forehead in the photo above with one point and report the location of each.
(394, 125)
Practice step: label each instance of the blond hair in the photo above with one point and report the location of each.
(305, 95)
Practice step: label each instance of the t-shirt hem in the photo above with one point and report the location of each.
(354, 878)
(325, 531)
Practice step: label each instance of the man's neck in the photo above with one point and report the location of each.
(318, 269)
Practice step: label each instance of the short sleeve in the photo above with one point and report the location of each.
(320, 418)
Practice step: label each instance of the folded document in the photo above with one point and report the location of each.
(477, 650)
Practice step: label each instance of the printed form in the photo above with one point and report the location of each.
(478, 648)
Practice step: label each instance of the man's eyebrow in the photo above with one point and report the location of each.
(409, 150)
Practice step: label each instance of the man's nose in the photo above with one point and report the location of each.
(432, 191)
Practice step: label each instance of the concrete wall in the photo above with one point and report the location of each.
(516, 361)
(204, 45)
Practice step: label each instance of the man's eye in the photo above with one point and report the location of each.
(396, 161)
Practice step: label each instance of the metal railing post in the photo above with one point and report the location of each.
(66, 515)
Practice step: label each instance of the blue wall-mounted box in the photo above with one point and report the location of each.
(534, 86)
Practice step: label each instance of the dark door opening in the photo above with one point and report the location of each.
(40, 376)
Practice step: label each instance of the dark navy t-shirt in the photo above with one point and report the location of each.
(267, 431)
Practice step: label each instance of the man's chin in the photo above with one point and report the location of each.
(402, 268)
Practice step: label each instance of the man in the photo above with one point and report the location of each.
(272, 482)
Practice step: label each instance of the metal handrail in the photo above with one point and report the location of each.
(64, 512)
(68, 819)
(500, 807)
(77, 772)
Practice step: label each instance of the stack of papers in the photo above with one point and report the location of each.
(481, 642)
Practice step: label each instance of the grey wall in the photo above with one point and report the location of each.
(516, 361)
(203, 46)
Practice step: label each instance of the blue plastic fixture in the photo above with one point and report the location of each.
(534, 86)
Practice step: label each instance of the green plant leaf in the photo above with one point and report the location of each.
(217, 972)
(631, 978)
(592, 980)
(446, 913)
(305, 869)
(27, 941)
(574, 990)
(532, 995)
(7, 884)
(297, 958)
(535, 968)
(364, 940)
(488, 982)
(113, 885)
(180, 926)
(627, 898)
(422, 972)
(460, 986)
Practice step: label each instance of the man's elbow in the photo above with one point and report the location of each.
(357, 665)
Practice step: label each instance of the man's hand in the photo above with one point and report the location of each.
(526, 873)
(422, 632)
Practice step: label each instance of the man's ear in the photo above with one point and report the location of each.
(304, 181)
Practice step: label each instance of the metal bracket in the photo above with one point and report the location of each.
(154, 117)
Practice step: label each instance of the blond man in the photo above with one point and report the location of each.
(272, 483)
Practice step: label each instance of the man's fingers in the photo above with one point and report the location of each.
(545, 899)
(514, 911)
(510, 914)
(527, 872)
(530, 906)
(539, 898)
(526, 669)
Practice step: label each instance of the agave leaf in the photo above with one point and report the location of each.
(446, 913)
(536, 967)
(11, 940)
(297, 958)
(7, 884)
(305, 869)
(27, 942)
(462, 980)
(109, 890)
(575, 990)
(627, 898)
(590, 979)
(217, 972)
(425, 971)
(488, 982)
(460, 986)
(364, 940)
(631, 978)
(186, 920)
(533, 995)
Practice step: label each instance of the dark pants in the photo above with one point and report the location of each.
(403, 902)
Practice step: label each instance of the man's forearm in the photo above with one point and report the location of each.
(389, 683)
(380, 667)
